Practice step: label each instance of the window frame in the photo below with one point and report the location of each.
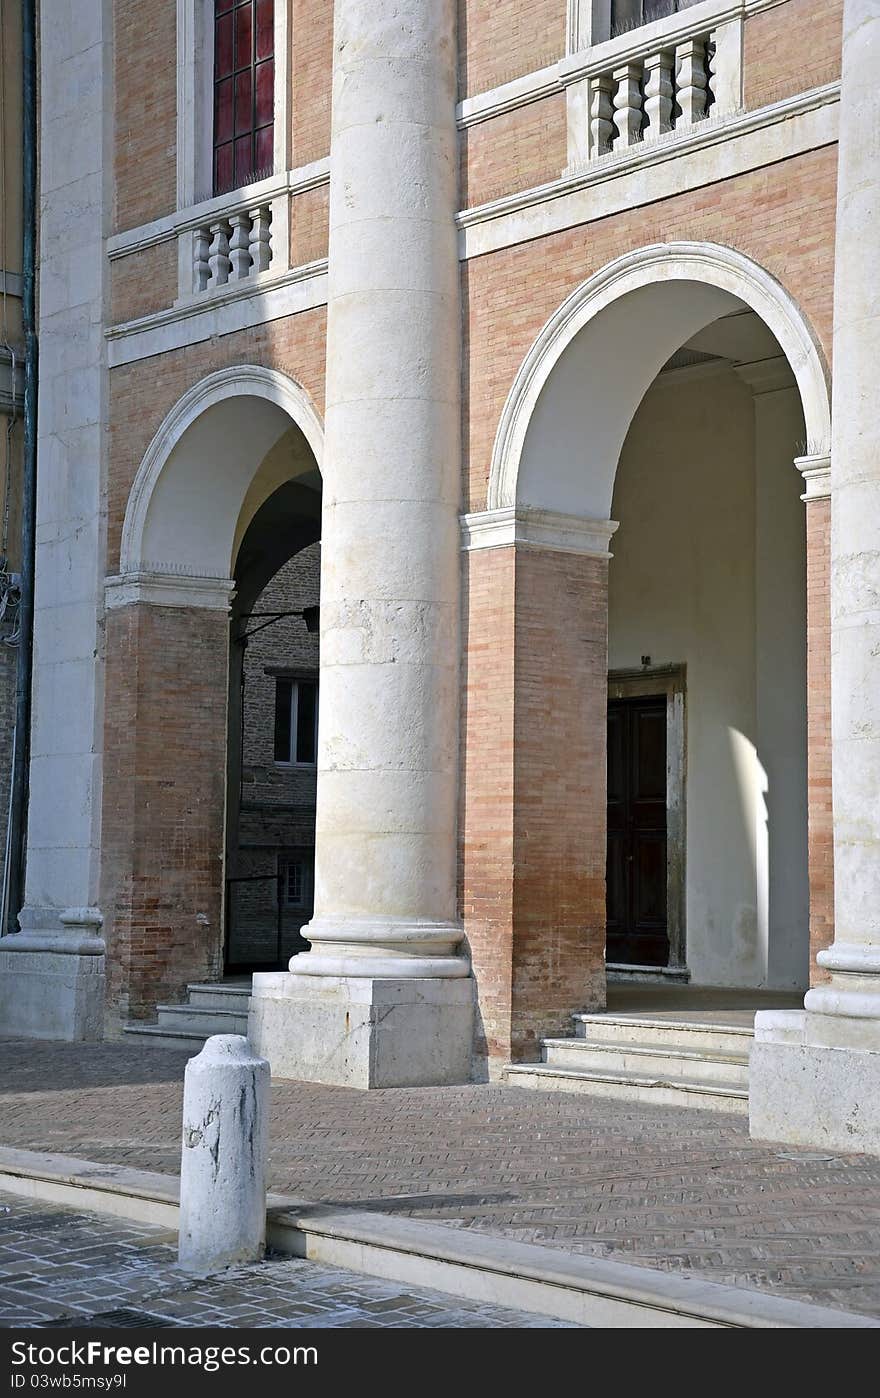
(294, 679)
(195, 100)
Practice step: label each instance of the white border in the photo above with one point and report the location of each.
(708, 263)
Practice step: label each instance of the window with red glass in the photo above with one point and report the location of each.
(244, 91)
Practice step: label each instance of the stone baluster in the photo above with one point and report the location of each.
(711, 71)
(692, 80)
(628, 104)
(219, 254)
(201, 265)
(261, 234)
(601, 115)
(239, 246)
(658, 93)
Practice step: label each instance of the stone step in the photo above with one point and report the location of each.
(630, 1087)
(683, 1035)
(164, 1038)
(204, 1020)
(208, 995)
(692, 1065)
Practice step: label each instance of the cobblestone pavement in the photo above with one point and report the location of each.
(61, 1267)
(673, 1188)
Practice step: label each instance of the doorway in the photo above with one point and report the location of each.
(637, 921)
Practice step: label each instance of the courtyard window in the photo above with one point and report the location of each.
(296, 870)
(244, 92)
(296, 722)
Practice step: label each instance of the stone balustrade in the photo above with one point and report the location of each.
(662, 90)
(232, 247)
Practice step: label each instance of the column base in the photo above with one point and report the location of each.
(361, 1031)
(819, 1094)
(52, 976)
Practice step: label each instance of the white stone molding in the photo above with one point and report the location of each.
(191, 216)
(593, 48)
(240, 381)
(816, 471)
(256, 300)
(544, 529)
(704, 264)
(712, 150)
(168, 589)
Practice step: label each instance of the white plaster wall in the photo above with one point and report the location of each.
(64, 824)
(694, 580)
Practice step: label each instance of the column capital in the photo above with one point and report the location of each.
(160, 588)
(544, 529)
(816, 471)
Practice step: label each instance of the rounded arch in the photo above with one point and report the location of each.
(620, 326)
(184, 509)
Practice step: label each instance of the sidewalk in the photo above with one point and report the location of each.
(60, 1267)
(674, 1189)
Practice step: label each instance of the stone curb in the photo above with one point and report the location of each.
(476, 1266)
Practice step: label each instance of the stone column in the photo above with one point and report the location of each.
(816, 1075)
(52, 971)
(385, 995)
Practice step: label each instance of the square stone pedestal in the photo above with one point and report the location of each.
(51, 994)
(353, 1031)
(815, 1094)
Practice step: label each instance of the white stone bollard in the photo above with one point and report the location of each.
(223, 1156)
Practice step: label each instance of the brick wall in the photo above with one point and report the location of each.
(163, 802)
(533, 799)
(311, 67)
(309, 225)
(782, 216)
(294, 346)
(506, 38)
(790, 49)
(820, 837)
(145, 110)
(514, 151)
(144, 281)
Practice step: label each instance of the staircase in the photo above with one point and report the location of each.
(659, 1060)
(211, 1008)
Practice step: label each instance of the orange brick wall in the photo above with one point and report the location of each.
(533, 792)
(144, 281)
(311, 33)
(145, 110)
(294, 346)
(820, 838)
(790, 49)
(514, 151)
(163, 803)
(309, 225)
(782, 216)
(506, 38)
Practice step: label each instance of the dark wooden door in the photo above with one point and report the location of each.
(636, 870)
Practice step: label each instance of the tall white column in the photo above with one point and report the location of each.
(818, 1074)
(52, 971)
(386, 935)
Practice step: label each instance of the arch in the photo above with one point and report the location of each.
(179, 519)
(620, 327)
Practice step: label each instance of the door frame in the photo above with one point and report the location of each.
(669, 682)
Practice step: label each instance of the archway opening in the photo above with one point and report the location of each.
(272, 745)
(707, 725)
(669, 396)
(223, 521)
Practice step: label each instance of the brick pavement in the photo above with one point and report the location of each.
(61, 1267)
(671, 1188)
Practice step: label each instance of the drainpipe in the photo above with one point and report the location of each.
(19, 796)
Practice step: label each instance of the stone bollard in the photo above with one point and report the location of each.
(223, 1160)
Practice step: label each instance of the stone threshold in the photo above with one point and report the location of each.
(543, 1281)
